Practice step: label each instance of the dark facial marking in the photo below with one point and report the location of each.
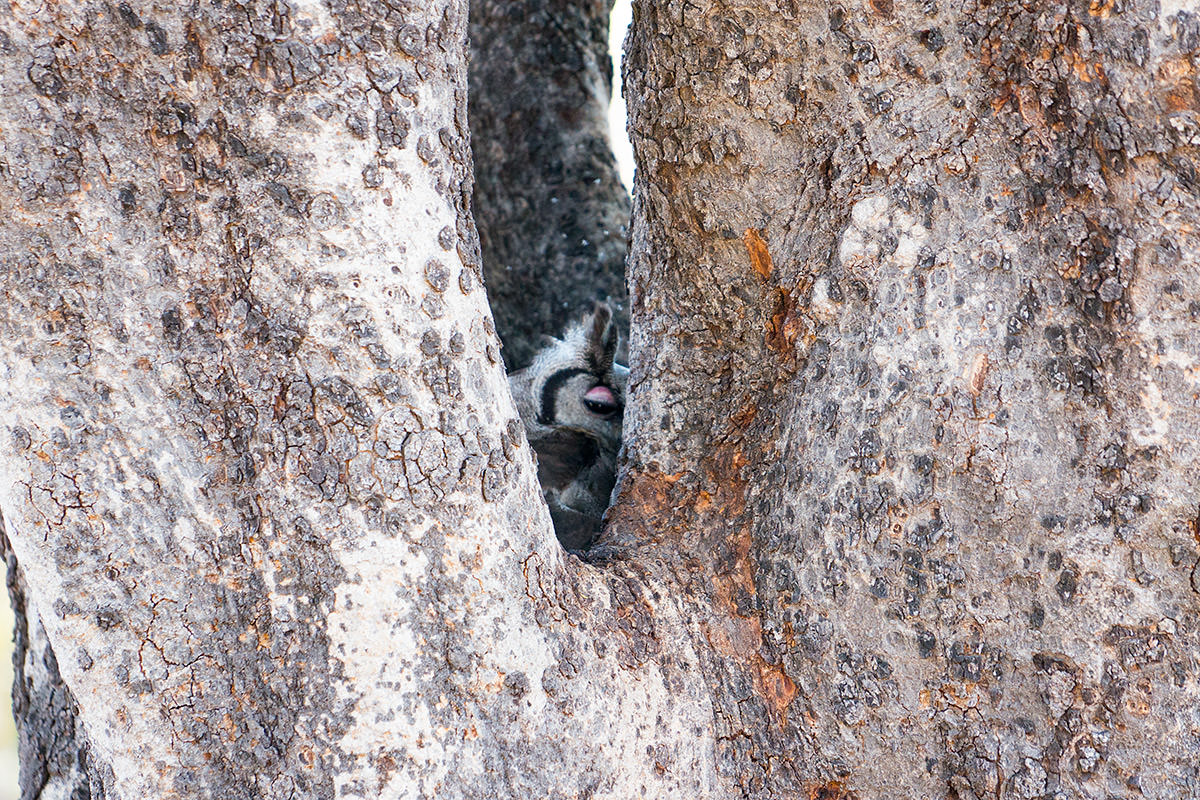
(550, 389)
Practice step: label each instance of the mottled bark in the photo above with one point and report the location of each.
(51, 746)
(915, 356)
(274, 517)
(908, 508)
(550, 206)
(248, 366)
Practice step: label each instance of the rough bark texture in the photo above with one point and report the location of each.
(256, 420)
(909, 507)
(550, 206)
(915, 357)
(51, 746)
(267, 493)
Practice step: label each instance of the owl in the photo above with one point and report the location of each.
(571, 399)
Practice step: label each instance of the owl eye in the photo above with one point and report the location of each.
(601, 401)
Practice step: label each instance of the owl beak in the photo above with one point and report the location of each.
(601, 395)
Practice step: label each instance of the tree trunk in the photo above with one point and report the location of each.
(550, 207)
(907, 507)
(52, 747)
(915, 354)
(274, 527)
(258, 440)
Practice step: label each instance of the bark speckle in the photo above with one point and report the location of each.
(225, 581)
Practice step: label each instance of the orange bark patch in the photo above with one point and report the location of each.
(744, 416)
(1181, 97)
(741, 574)
(1178, 74)
(883, 8)
(1029, 106)
(704, 516)
(740, 639)
(737, 635)
(647, 505)
(788, 322)
(978, 374)
(760, 256)
(778, 688)
(782, 327)
(723, 472)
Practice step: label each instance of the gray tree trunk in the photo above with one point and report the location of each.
(908, 507)
(915, 348)
(258, 442)
(551, 210)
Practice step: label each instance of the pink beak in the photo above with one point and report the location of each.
(601, 394)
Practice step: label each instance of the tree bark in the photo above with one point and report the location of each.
(268, 497)
(914, 410)
(551, 209)
(256, 419)
(52, 747)
(907, 508)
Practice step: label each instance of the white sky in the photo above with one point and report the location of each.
(622, 14)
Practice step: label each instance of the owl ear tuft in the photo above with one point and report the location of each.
(601, 344)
